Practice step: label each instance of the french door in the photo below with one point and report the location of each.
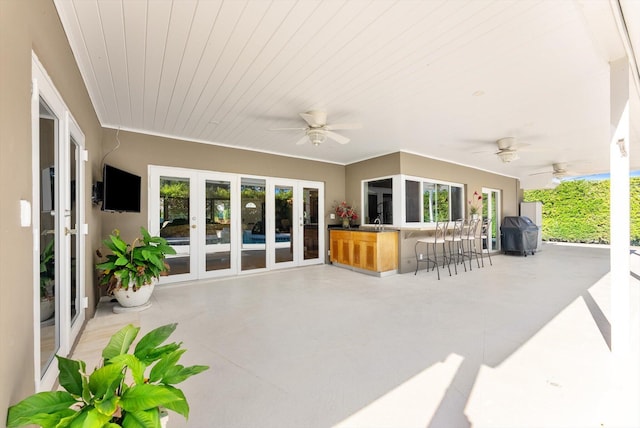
(491, 211)
(227, 224)
(58, 226)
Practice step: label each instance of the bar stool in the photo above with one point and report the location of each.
(469, 242)
(455, 243)
(433, 242)
(484, 236)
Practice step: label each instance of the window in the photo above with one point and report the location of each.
(378, 201)
(429, 201)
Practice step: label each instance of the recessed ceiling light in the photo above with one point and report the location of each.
(478, 93)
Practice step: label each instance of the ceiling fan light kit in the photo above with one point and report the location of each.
(316, 136)
(507, 156)
(317, 129)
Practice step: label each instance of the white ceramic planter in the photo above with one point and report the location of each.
(47, 307)
(130, 299)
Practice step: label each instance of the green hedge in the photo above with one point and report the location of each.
(578, 211)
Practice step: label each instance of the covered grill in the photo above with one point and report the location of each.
(519, 234)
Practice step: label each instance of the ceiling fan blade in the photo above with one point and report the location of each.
(337, 137)
(287, 129)
(315, 118)
(338, 126)
(302, 140)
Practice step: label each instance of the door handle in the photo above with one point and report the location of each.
(68, 231)
(48, 232)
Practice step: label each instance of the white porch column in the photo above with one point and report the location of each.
(619, 211)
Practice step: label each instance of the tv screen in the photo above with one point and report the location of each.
(121, 190)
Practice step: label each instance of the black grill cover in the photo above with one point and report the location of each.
(519, 234)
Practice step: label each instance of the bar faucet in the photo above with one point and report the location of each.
(377, 224)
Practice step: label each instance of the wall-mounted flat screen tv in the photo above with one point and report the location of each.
(121, 190)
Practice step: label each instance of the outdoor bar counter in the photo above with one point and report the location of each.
(367, 250)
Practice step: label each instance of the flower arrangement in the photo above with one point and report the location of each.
(475, 203)
(346, 212)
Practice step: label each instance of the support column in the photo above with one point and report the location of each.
(619, 208)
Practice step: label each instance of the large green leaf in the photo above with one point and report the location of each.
(135, 365)
(105, 380)
(118, 243)
(90, 418)
(107, 406)
(153, 339)
(58, 419)
(142, 419)
(159, 352)
(70, 376)
(180, 374)
(40, 403)
(120, 342)
(147, 396)
(179, 406)
(161, 368)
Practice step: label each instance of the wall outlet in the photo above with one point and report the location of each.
(332, 216)
(420, 256)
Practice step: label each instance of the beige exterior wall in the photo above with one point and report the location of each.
(419, 166)
(26, 26)
(138, 151)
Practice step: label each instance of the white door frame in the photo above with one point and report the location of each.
(498, 210)
(197, 250)
(66, 130)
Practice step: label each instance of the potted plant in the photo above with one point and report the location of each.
(131, 270)
(120, 393)
(347, 213)
(47, 281)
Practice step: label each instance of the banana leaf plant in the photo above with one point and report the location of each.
(128, 390)
(133, 265)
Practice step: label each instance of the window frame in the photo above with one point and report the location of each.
(422, 181)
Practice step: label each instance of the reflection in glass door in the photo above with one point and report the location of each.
(175, 223)
(218, 225)
(312, 222)
(253, 254)
(283, 236)
(72, 231)
(49, 250)
(491, 211)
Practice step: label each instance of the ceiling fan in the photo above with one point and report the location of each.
(559, 171)
(508, 148)
(317, 129)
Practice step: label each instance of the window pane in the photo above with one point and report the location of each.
(429, 202)
(412, 192)
(457, 203)
(442, 210)
(379, 201)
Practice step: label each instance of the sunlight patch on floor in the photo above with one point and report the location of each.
(411, 404)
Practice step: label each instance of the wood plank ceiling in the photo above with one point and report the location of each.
(443, 79)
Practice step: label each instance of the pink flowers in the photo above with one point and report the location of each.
(475, 203)
(346, 211)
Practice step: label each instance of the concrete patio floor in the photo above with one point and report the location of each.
(522, 343)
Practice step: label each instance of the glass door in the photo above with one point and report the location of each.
(50, 267)
(284, 232)
(58, 223)
(218, 223)
(176, 218)
(311, 222)
(491, 211)
(253, 253)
